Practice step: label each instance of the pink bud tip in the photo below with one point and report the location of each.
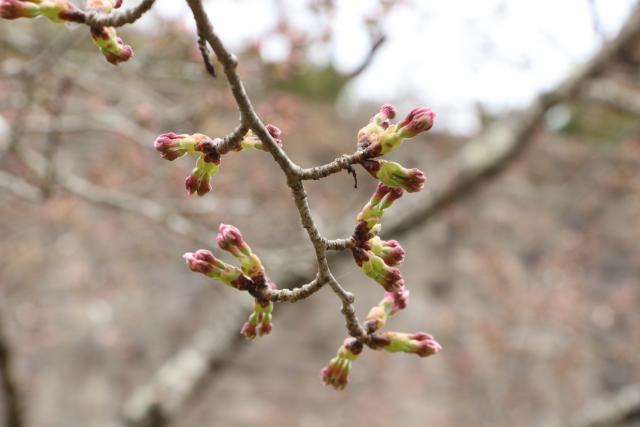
(388, 111)
(202, 261)
(14, 9)
(418, 120)
(427, 345)
(229, 237)
(197, 184)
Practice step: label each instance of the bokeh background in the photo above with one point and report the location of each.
(529, 280)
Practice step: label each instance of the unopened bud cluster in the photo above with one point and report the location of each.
(378, 259)
(172, 146)
(106, 38)
(250, 276)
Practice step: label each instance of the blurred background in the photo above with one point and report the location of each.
(522, 251)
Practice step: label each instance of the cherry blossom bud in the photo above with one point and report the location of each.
(230, 239)
(387, 113)
(336, 373)
(390, 305)
(14, 9)
(395, 175)
(374, 267)
(200, 179)
(390, 251)
(112, 47)
(251, 140)
(55, 10)
(171, 145)
(259, 322)
(203, 261)
(419, 343)
(373, 211)
(417, 121)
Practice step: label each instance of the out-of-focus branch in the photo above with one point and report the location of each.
(613, 94)
(13, 416)
(375, 46)
(610, 411)
(157, 402)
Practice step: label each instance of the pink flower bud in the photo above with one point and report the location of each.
(112, 47)
(395, 175)
(420, 343)
(418, 120)
(259, 322)
(252, 141)
(169, 145)
(200, 179)
(197, 183)
(117, 4)
(390, 251)
(230, 239)
(384, 116)
(14, 9)
(336, 373)
(374, 267)
(201, 261)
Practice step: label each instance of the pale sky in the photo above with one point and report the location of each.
(448, 55)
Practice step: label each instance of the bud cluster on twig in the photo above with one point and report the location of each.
(58, 11)
(378, 258)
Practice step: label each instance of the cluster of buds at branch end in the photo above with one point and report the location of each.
(336, 373)
(259, 322)
(380, 136)
(419, 343)
(394, 175)
(200, 179)
(55, 10)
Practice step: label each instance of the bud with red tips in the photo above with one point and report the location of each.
(336, 373)
(417, 121)
(395, 175)
(203, 261)
(172, 145)
(55, 10)
(259, 322)
(230, 239)
(14, 9)
(200, 179)
(390, 251)
(390, 305)
(251, 140)
(112, 47)
(418, 343)
(374, 267)
(380, 136)
(373, 211)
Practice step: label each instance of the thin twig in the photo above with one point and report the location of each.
(116, 18)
